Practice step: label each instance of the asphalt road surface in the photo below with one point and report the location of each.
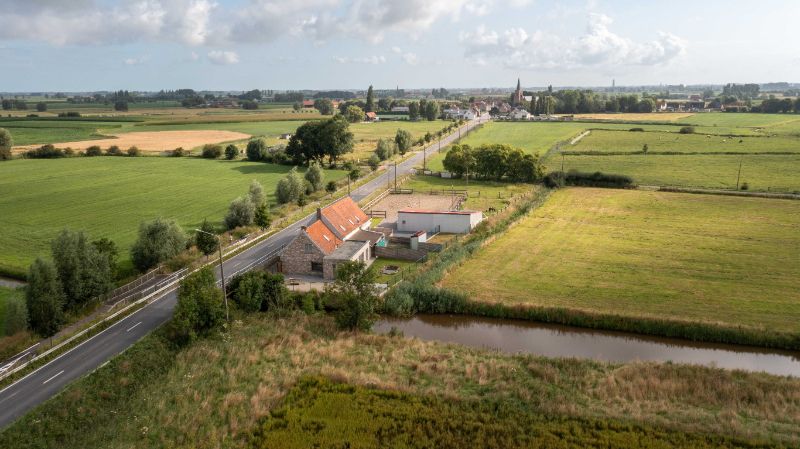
(47, 381)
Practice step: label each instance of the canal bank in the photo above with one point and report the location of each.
(527, 337)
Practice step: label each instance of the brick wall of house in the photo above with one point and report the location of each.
(297, 260)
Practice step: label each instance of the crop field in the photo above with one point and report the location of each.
(30, 132)
(746, 120)
(154, 142)
(110, 196)
(650, 117)
(228, 392)
(625, 141)
(702, 258)
(766, 173)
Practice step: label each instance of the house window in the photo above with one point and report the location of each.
(309, 248)
(316, 266)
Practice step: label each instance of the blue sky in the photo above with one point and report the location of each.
(77, 45)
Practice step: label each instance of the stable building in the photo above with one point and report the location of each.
(434, 221)
(340, 232)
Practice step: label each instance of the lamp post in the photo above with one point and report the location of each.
(221, 272)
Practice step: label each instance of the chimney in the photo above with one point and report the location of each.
(319, 214)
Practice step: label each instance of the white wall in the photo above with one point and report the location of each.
(449, 223)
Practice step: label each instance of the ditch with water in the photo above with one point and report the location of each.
(517, 336)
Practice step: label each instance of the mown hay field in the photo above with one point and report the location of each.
(217, 392)
(110, 196)
(702, 258)
(652, 116)
(606, 141)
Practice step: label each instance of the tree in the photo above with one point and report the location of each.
(301, 200)
(330, 187)
(413, 111)
(354, 291)
(6, 142)
(385, 149)
(262, 218)
(44, 298)
(297, 106)
(158, 241)
(133, 151)
(256, 193)
(645, 148)
(354, 114)
(41, 106)
(324, 106)
(403, 140)
(315, 176)
(199, 310)
(108, 248)
(313, 141)
(249, 105)
(256, 150)
(431, 110)
(206, 243)
(647, 105)
(289, 188)
(241, 212)
(373, 162)
(260, 291)
(370, 107)
(84, 272)
(231, 152)
(459, 160)
(121, 106)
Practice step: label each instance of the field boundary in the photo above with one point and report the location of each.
(782, 196)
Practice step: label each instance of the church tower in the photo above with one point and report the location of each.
(516, 99)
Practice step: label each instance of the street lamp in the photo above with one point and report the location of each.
(221, 272)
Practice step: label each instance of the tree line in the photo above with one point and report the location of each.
(496, 162)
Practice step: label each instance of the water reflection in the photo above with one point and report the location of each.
(515, 336)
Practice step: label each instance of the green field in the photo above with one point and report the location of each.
(109, 197)
(749, 120)
(321, 413)
(221, 392)
(702, 258)
(625, 141)
(773, 173)
(534, 137)
(28, 132)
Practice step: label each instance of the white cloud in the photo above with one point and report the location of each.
(223, 57)
(374, 60)
(598, 46)
(135, 61)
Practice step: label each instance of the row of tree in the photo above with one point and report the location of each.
(496, 162)
(80, 271)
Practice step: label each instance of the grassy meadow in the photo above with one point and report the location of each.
(231, 392)
(29, 132)
(700, 258)
(110, 196)
(605, 141)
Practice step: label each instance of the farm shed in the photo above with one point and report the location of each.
(432, 221)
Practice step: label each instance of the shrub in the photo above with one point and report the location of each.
(158, 241)
(241, 212)
(315, 176)
(330, 187)
(113, 150)
(212, 151)
(93, 151)
(44, 298)
(134, 151)
(373, 162)
(6, 142)
(70, 114)
(256, 150)
(41, 106)
(260, 291)
(744, 186)
(686, 130)
(354, 292)
(635, 130)
(354, 174)
(290, 187)
(178, 152)
(45, 152)
(231, 152)
(554, 180)
(16, 312)
(200, 308)
(597, 179)
(403, 140)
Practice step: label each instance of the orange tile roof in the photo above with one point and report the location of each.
(344, 216)
(323, 237)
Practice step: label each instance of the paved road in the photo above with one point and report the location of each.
(47, 381)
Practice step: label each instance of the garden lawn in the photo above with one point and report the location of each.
(775, 173)
(703, 258)
(110, 196)
(625, 141)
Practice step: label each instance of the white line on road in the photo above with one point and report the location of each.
(132, 327)
(57, 374)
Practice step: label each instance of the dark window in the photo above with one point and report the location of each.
(309, 248)
(316, 266)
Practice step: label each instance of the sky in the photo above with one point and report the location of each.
(88, 45)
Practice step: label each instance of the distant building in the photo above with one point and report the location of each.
(308, 103)
(516, 98)
(520, 114)
(372, 117)
(400, 109)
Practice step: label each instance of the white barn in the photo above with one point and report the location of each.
(433, 221)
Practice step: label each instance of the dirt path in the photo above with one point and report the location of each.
(581, 136)
(153, 141)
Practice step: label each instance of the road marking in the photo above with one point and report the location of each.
(57, 374)
(132, 327)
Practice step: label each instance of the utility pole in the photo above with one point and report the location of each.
(562, 162)
(221, 272)
(424, 157)
(395, 176)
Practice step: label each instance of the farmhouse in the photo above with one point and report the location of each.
(308, 104)
(435, 221)
(340, 232)
(520, 114)
(372, 117)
